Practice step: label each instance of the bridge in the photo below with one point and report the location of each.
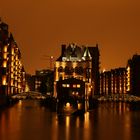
(29, 95)
(119, 97)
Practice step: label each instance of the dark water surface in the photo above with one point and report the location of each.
(27, 120)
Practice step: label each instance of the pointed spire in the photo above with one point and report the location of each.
(87, 55)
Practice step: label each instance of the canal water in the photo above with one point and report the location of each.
(27, 120)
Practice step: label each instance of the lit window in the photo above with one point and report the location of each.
(17, 57)
(78, 86)
(74, 86)
(12, 63)
(5, 48)
(12, 58)
(15, 77)
(15, 72)
(128, 78)
(12, 83)
(4, 80)
(12, 69)
(73, 93)
(5, 55)
(12, 51)
(79, 105)
(19, 80)
(68, 105)
(68, 85)
(16, 63)
(64, 85)
(19, 86)
(12, 75)
(15, 83)
(12, 90)
(89, 89)
(4, 64)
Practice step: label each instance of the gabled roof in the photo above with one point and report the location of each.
(59, 59)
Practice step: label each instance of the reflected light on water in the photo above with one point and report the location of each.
(120, 108)
(67, 127)
(127, 127)
(28, 120)
(3, 125)
(123, 108)
(86, 120)
(77, 122)
(54, 128)
(67, 121)
(9, 123)
(20, 103)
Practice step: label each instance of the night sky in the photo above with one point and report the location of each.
(41, 26)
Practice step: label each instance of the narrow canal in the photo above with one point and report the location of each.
(27, 120)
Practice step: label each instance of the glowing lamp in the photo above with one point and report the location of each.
(67, 105)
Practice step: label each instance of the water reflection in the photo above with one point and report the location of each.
(77, 122)
(67, 127)
(113, 119)
(28, 120)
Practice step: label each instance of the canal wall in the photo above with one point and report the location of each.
(3, 100)
(6, 101)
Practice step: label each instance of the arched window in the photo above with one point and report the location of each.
(69, 70)
(60, 69)
(79, 70)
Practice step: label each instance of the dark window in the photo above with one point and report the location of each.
(60, 69)
(69, 70)
(79, 70)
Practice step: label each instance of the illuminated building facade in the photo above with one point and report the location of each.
(12, 74)
(81, 63)
(113, 82)
(105, 83)
(133, 75)
(71, 95)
